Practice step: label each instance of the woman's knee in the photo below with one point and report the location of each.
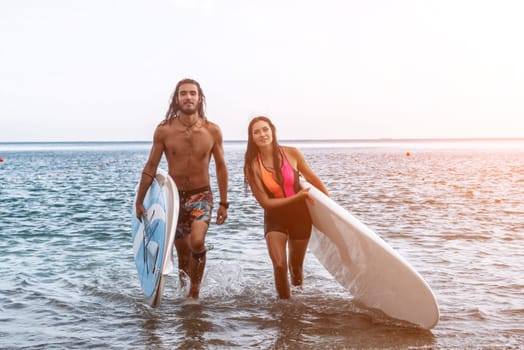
(279, 267)
(279, 262)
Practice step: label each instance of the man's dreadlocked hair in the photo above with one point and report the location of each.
(174, 107)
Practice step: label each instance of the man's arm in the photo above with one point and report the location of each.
(222, 176)
(149, 173)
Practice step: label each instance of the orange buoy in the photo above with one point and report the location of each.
(408, 154)
(1, 159)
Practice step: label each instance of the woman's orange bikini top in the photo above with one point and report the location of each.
(289, 175)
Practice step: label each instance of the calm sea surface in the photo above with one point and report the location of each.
(455, 211)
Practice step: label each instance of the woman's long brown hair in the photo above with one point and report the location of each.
(252, 151)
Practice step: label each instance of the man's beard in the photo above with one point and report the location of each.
(189, 109)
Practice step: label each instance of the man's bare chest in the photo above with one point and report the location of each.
(197, 145)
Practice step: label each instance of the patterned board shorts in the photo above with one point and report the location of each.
(194, 205)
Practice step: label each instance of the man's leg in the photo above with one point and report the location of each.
(183, 252)
(197, 260)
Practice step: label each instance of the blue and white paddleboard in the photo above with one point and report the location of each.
(153, 238)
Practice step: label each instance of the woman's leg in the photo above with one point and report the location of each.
(297, 253)
(276, 246)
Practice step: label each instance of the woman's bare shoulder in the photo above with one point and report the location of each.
(292, 151)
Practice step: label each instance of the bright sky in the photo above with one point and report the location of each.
(104, 70)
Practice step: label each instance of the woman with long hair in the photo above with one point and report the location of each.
(272, 172)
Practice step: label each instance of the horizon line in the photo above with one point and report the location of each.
(367, 140)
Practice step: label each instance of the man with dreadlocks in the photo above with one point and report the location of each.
(188, 140)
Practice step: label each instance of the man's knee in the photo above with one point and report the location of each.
(199, 255)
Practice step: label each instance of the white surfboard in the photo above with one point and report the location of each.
(153, 237)
(363, 263)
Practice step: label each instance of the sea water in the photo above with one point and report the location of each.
(455, 211)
